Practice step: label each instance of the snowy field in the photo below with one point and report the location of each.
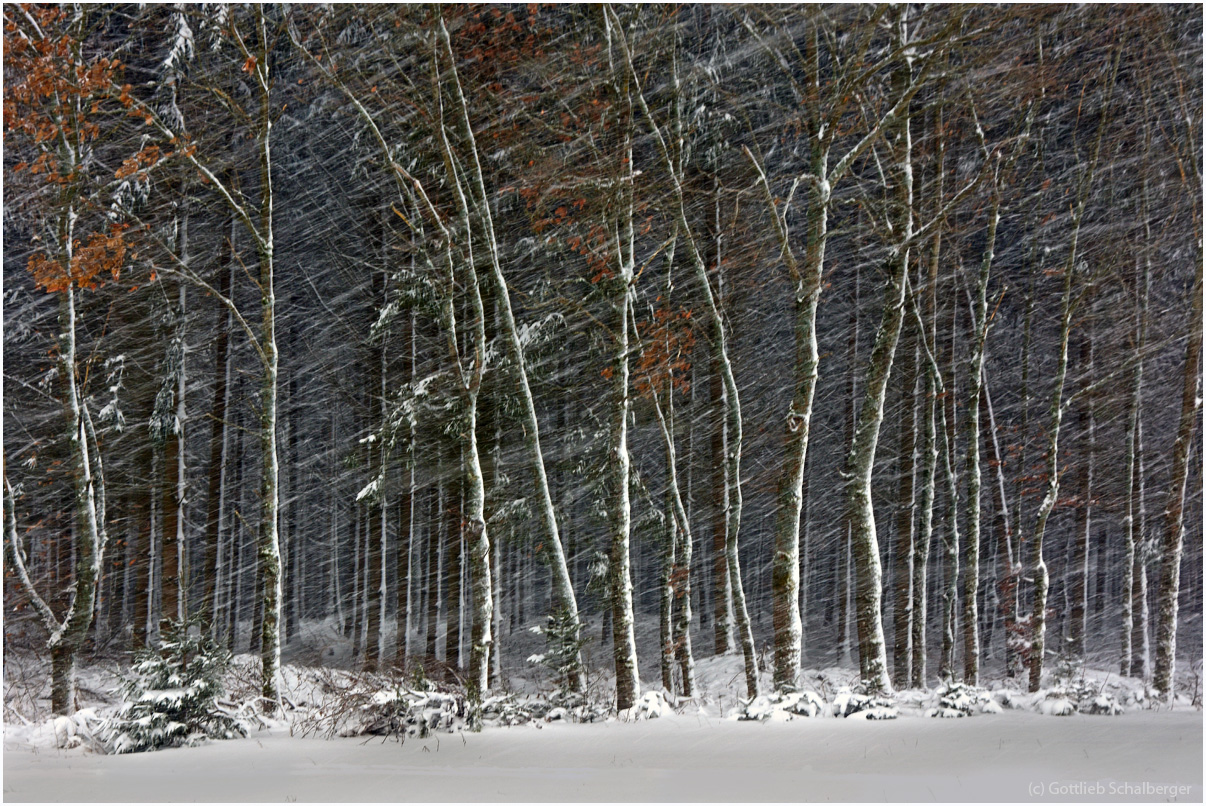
(698, 751)
(1014, 756)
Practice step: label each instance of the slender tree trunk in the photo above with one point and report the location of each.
(473, 498)
(141, 514)
(619, 513)
(843, 573)
(927, 334)
(219, 445)
(88, 535)
(269, 549)
(432, 592)
(722, 596)
(906, 534)
(873, 661)
(169, 429)
(1131, 533)
(1079, 572)
(720, 352)
(1141, 659)
(88, 512)
(406, 500)
(950, 541)
(1007, 587)
(1038, 620)
(452, 565)
(666, 605)
(681, 575)
(377, 463)
(1169, 590)
(975, 384)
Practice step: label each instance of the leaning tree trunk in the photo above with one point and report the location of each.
(676, 582)
(474, 502)
(720, 354)
(859, 465)
(873, 660)
(563, 598)
(1007, 587)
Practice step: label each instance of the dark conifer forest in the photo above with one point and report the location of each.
(861, 334)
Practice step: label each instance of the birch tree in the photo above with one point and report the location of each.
(53, 100)
(1072, 265)
(720, 354)
(825, 99)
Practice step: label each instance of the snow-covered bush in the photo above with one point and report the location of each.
(862, 705)
(1073, 693)
(171, 695)
(959, 699)
(1054, 702)
(788, 704)
(1101, 703)
(560, 706)
(399, 710)
(75, 730)
(505, 709)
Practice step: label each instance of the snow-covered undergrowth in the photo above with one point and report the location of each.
(323, 696)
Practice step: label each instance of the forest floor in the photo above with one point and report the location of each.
(1014, 756)
(697, 750)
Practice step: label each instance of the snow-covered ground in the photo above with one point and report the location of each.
(1014, 756)
(698, 751)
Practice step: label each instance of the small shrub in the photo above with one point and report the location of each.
(862, 704)
(171, 695)
(957, 700)
(564, 640)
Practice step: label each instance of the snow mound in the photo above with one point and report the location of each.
(855, 703)
(651, 705)
(1054, 703)
(782, 706)
(76, 730)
